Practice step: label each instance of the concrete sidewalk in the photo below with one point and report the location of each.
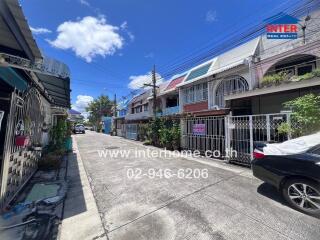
(81, 217)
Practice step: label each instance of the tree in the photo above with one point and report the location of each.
(305, 113)
(99, 107)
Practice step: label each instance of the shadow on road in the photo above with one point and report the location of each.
(271, 192)
(75, 202)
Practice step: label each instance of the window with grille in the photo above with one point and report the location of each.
(234, 84)
(196, 93)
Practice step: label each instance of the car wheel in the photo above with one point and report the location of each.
(303, 195)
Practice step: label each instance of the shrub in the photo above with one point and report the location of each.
(275, 78)
(305, 113)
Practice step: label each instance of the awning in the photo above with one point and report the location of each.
(15, 33)
(235, 56)
(198, 72)
(57, 88)
(11, 77)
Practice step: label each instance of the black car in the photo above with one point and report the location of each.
(296, 176)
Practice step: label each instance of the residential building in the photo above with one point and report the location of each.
(295, 58)
(203, 91)
(75, 116)
(168, 97)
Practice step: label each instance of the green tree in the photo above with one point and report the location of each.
(99, 107)
(305, 113)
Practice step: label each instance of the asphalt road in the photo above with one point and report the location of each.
(227, 203)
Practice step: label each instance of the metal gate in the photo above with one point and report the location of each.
(233, 137)
(244, 131)
(132, 131)
(204, 134)
(20, 163)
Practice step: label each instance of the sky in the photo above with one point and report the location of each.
(111, 46)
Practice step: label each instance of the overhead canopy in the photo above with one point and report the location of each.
(16, 37)
(235, 56)
(200, 71)
(11, 77)
(57, 88)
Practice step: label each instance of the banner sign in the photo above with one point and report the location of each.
(199, 129)
(282, 26)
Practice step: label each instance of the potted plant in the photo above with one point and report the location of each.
(21, 138)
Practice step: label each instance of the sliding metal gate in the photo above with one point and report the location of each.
(233, 136)
(244, 131)
(204, 134)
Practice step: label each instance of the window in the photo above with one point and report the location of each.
(301, 70)
(145, 107)
(196, 93)
(315, 150)
(228, 86)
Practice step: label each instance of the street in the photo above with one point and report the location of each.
(227, 203)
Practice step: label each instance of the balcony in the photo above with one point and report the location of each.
(138, 116)
(169, 111)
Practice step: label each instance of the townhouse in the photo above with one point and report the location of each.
(236, 98)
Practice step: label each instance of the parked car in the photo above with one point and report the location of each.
(89, 128)
(294, 169)
(79, 128)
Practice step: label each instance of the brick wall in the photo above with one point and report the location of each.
(195, 107)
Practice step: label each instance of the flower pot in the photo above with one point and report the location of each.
(22, 141)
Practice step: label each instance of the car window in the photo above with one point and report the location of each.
(315, 150)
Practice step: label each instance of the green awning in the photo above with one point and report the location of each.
(10, 76)
(198, 72)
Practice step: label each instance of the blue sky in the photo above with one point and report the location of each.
(108, 44)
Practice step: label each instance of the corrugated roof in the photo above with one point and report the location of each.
(234, 57)
(198, 72)
(175, 82)
(17, 12)
(16, 37)
(57, 88)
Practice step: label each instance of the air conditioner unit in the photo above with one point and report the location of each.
(215, 107)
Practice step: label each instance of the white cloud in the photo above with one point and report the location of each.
(211, 16)
(149, 55)
(88, 37)
(136, 82)
(81, 103)
(39, 30)
(131, 36)
(84, 2)
(124, 27)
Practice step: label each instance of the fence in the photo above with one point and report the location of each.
(132, 131)
(233, 133)
(203, 133)
(26, 117)
(244, 131)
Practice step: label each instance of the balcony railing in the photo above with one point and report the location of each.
(169, 111)
(136, 116)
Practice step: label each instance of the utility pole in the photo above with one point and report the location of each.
(303, 27)
(154, 91)
(115, 105)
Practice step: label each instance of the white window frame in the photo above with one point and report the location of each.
(230, 85)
